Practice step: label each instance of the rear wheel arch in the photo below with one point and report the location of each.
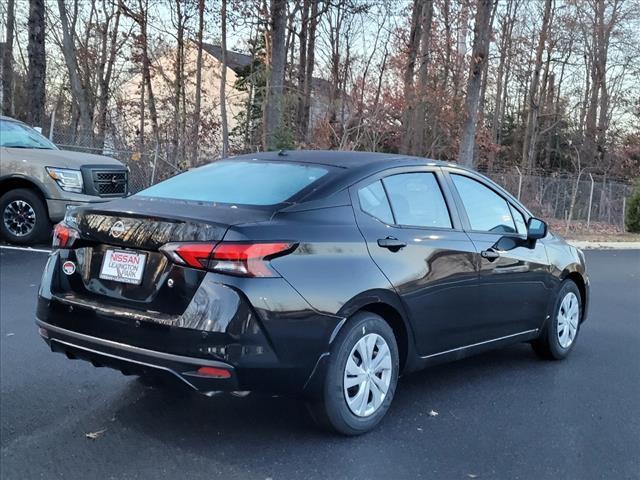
(397, 324)
(388, 305)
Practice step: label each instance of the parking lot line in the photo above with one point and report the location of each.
(26, 249)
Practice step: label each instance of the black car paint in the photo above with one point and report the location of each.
(442, 297)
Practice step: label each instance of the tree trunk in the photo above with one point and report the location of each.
(141, 18)
(422, 91)
(408, 75)
(105, 78)
(223, 82)
(461, 45)
(308, 71)
(36, 73)
(7, 62)
(480, 52)
(177, 84)
(529, 141)
(198, 100)
(302, 64)
(80, 95)
(272, 123)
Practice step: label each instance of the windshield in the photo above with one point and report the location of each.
(239, 182)
(19, 135)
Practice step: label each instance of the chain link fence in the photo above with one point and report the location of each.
(145, 168)
(572, 198)
(584, 201)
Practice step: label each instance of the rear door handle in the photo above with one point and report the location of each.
(391, 243)
(490, 255)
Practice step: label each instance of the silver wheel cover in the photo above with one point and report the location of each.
(568, 318)
(367, 375)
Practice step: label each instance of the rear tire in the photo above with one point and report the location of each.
(561, 331)
(24, 218)
(365, 348)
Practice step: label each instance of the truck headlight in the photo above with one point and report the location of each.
(67, 179)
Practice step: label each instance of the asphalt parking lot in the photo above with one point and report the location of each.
(502, 415)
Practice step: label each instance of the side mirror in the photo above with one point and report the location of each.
(536, 229)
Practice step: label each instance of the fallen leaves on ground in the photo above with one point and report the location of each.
(95, 435)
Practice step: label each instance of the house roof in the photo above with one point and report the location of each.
(235, 61)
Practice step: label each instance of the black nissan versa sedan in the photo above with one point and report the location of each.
(322, 273)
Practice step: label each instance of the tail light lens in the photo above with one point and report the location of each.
(234, 258)
(64, 236)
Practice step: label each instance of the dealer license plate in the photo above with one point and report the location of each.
(123, 266)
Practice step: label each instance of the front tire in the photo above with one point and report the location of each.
(361, 377)
(561, 331)
(23, 217)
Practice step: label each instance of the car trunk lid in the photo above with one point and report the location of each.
(139, 227)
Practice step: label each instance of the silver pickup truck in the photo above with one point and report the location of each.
(38, 181)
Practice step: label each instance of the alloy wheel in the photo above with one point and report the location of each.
(568, 319)
(19, 218)
(367, 375)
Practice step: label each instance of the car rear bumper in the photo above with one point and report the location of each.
(229, 321)
(135, 360)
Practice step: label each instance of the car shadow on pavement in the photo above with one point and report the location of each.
(170, 412)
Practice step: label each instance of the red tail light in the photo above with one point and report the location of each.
(64, 236)
(235, 258)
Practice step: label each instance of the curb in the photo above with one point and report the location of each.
(590, 245)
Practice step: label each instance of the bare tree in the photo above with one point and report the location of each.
(409, 74)
(308, 71)
(110, 46)
(36, 73)
(141, 18)
(422, 91)
(223, 81)
(480, 51)
(80, 95)
(531, 131)
(7, 62)
(198, 94)
(272, 118)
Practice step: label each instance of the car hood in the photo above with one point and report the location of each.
(59, 158)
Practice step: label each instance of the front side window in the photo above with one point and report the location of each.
(417, 200)
(373, 200)
(239, 182)
(487, 211)
(19, 135)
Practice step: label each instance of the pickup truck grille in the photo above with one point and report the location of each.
(110, 183)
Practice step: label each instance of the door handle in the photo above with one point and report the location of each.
(489, 254)
(391, 243)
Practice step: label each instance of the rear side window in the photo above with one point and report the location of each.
(417, 200)
(487, 211)
(239, 182)
(373, 200)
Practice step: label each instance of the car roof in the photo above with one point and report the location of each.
(3, 117)
(338, 158)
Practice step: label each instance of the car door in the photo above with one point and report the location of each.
(415, 237)
(514, 280)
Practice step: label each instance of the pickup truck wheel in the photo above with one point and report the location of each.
(23, 217)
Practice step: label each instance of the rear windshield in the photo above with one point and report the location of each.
(239, 182)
